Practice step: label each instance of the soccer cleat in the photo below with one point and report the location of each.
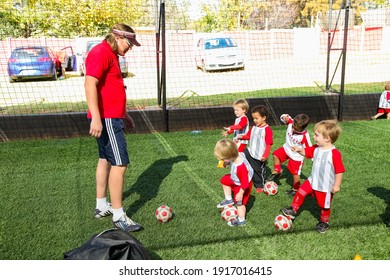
(126, 224)
(291, 192)
(225, 202)
(289, 211)
(274, 175)
(107, 211)
(236, 223)
(259, 190)
(321, 227)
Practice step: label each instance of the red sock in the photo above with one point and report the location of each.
(296, 186)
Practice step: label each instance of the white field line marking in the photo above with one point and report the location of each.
(198, 181)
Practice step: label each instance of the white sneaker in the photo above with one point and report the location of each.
(101, 213)
(127, 224)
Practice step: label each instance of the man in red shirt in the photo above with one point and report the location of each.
(106, 98)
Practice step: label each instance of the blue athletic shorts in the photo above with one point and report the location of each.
(112, 143)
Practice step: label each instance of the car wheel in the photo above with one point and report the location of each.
(69, 65)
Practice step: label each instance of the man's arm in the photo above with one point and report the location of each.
(91, 94)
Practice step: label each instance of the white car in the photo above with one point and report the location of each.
(218, 53)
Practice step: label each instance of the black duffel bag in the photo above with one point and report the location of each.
(112, 244)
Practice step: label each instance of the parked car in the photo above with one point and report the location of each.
(122, 60)
(67, 58)
(218, 53)
(31, 63)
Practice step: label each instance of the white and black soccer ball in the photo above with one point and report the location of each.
(229, 213)
(164, 213)
(282, 222)
(270, 188)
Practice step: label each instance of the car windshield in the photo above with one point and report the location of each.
(28, 52)
(217, 43)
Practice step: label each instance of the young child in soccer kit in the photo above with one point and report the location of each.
(241, 124)
(326, 174)
(237, 185)
(260, 138)
(384, 103)
(296, 135)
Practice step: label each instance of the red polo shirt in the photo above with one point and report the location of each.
(103, 64)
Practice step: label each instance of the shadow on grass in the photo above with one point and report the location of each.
(250, 203)
(384, 194)
(310, 204)
(286, 177)
(149, 182)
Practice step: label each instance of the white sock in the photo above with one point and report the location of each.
(241, 219)
(117, 213)
(228, 197)
(101, 203)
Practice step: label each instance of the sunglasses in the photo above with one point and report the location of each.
(128, 42)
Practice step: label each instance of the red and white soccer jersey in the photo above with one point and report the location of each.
(241, 174)
(293, 139)
(241, 126)
(260, 138)
(384, 101)
(326, 164)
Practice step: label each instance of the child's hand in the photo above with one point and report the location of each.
(239, 198)
(239, 136)
(225, 133)
(335, 189)
(226, 128)
(296, 149)
(284, 118)
(263, 159)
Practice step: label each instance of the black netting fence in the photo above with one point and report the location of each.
(328, 69)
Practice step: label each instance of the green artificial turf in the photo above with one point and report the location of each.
(48, 196)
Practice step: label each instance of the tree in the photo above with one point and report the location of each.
(274, 14)
(70, 17)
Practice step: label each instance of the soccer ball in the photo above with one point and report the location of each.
(229, 213)
(270, 188)
(282, 222)
(164, 213)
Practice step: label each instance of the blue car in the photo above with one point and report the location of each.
(27, 63)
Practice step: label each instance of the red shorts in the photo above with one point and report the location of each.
(226, 180)
(323, 199)
(383, 110)
(295, 167)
